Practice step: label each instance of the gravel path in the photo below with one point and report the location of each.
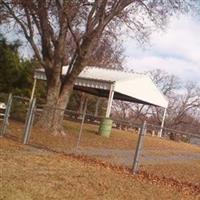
(125, 157)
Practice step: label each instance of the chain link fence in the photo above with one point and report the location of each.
(14, 116)
(136, 146)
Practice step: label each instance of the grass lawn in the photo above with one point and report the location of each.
(118, 140)
(29, 173)
(187, 171)
(182, 171)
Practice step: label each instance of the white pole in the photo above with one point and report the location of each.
(163, 121)
(110, 99)
(33, 89)
(97, 107)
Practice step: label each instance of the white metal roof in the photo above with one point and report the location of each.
(104, 74)
(131, 87)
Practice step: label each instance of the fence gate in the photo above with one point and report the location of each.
(5, 113)
(13, 115)
(29, 121)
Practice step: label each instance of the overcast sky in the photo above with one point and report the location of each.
(177, 50)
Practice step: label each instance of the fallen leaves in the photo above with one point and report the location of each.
(173, 183)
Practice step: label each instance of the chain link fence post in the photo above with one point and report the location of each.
(138, 150)
(6, 115)
(29, 121)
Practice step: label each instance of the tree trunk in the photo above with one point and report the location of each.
(53, 113)
(173, 136)
(57, 123)
(59, 89)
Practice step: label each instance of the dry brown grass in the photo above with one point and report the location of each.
(188, 171)
(118, 140)
(180, 170)
(28, 173)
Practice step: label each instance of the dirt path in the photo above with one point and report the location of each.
(125, 157)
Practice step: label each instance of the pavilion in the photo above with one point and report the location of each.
(115, 84)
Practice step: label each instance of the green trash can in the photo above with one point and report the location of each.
(105, 127)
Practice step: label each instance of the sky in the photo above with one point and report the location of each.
(176, 50)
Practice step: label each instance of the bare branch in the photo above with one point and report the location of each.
(28, 37)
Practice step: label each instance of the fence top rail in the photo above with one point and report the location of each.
(21, 97)
(182, 132)
(123, 122)
(42, 106)
(174, 130)
(3, 94)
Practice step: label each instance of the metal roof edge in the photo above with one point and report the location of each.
(160, 91)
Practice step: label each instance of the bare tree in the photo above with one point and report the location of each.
(182, 105)
(165, 81)
(121, 109)
(108, 54)
(49, 25)
(168, 84)
(133, 112)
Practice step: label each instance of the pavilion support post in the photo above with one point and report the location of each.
(105, 127)
(162, 124)
(110, 99)
(33, 89)
(97, 107)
